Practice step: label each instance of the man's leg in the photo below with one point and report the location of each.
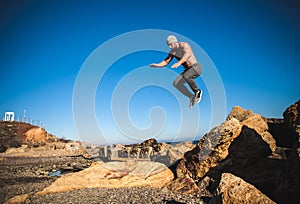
(190, 74)
(179, 84)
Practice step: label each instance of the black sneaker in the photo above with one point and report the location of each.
(198, 96)
(192, 101)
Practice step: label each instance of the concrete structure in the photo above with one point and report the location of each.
(120, 152)
(9, 116)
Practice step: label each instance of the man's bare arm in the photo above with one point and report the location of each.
(163, 63)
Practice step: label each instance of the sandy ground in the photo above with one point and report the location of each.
(28, 175)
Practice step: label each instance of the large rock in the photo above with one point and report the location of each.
(149, 143)
(37, 136)
(18, 199)
(284, 135)
(241, 140)
(292, 117)
(239, 113)
(114, 175)
(186, 185)
(287, 189)
(172, 154)
(286, 131)
(235, 190)
(253, 121)
(211, 149)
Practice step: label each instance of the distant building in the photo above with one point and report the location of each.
(9, 116)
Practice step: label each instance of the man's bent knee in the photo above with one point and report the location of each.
(175, 83)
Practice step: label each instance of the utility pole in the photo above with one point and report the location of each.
(24, 115)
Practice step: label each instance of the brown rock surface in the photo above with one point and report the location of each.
(253, 121)
(185, 185)
(239, 113)
(240, 141)
(114, 175)
(16, 134)
(245, 141)
(211, 149)
(17, 199)
(282, 133)
(244, 146)
(172, 154)
(292, 117)
(149, 143)
(287, 189)
(37, 136)
(235, 190)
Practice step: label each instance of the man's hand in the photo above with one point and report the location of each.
(176, 65)
(154, 65)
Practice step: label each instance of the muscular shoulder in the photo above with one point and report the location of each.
(184, 45)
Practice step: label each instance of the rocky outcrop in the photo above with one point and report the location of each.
(16, 134)
(254, 121)
(235, 190)
(231, 145)
(149, 143)
(288, 181)
(244, 146)
(284, 136)
(208, 151)
(169, 156)
(37, 136)
(23, 139)
(286, 131)
(8, 136)
(114, 175)
(292, 117)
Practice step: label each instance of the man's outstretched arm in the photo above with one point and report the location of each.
(163, 63)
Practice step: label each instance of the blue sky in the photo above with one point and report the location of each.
(44, 45)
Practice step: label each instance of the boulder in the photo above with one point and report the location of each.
(253, 121)
(24, 198)
(239, 113)
(286, 131)
(185, 185)
(288, 182)
(211, 149)
(282, 133)
(232, 189)
(287, 188)
(238, 142)
(174, 153)
(257, 123)
(292, 117)
(114, 175)
(149, 143)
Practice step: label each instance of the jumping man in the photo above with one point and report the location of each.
(185, 56)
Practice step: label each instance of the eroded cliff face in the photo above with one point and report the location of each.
(16, 134)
